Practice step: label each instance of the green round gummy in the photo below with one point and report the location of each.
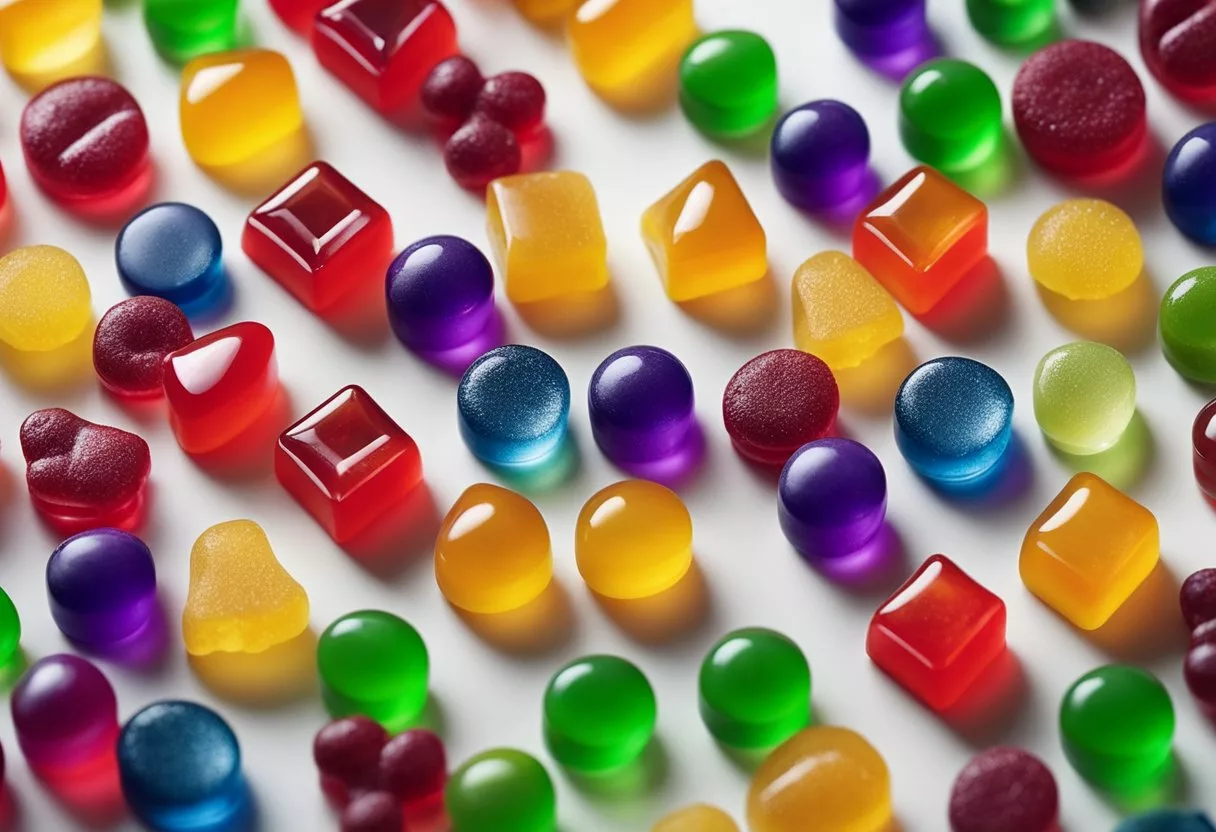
(1117, 727)
(1188, 338)
(373, 663)
(1084, 397)
(950, 114)
(755, 689)
(599, 714)
(502, 790)
(1012, 22)
(184, 29)
(10, 630)
(728, 83)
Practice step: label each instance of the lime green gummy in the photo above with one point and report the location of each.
(728, 83)
(599, 714)
(502, 790)
(373, 663)
(1188, 337)
(1012, 22)
(10, 630)
(755, 689)
(1117, 727)
(950, 115)
(1084, 397)
(184, 29)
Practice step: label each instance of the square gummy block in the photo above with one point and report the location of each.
(1089, 550)
(618, 43)
(383, 49)
(238, 105)
(347, 463)
(938, 633)
(703, 235)
(841, 313)
(319, 236)
(920, 236)
(546, 235)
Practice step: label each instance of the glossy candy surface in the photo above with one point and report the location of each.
(1197, 598)
(319, 236)
(619, 43)
(1004, 789)
(373, 663)
(377, 811)
(640, 403)
(347, 753)
(449, 92)
(704, 237)
(777, 402)
(492, 553)
(481, 151)
(10, 635)
(728, 83)
(599, 714)
(1176, 39)
(173, 251)
(920, 236)
(938, 633)
(504, 790)
(1012, 22)
(698, 818)
(950, 115)
(755, 689)
(298, 14)
(183, 29)
(413, 767)
(40, 38)
(633, 540)
(841, 313)
(101, 585)
(1084, 249)
(1187, 338)
(440, 294)
(65, 715)
(131, 342)
(516, 100)
(1189, 183)
(45, 300)
(347, 463)
(881, 28)
(1084, 397)
(1089, 550)
(241, 599)
(1168, 820)
(819, 155)
(831, 498)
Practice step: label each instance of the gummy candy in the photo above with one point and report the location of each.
(755, 689)
(373, 663)
(640, 403)
(516, 100)
(299, 14)
(620, 43)
(354, 754)
(1004, 789)
(1197, 597)
(882, 28)
(449, 92)
(440, 294)
(1199, 670)
(183, 29)
(502, 789)
(43, 37)
(819, 155)
(65, 715)
(1203, 442)
(841, 313)
(173, 251)
(1176, 38)
(44, 298)
(1186, 338)
(950, 115)
(10, 635)
(697, 818)
(480, 152)
(599, 714)
(1084, 397)
(131, 342)
(832, 498)
(1168, 820)
(375, 811)
(1012, 22)
(1188, 183)
(777, 402)
(728, 83)
(101, 585)
(1084, 249)
(545, 11)
(413, 766)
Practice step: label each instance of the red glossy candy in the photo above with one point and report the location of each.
(516, 100)
(1200, 672)
(131, 342)
(298, 14)
(1198, 598)
(1204, 634)
(413, 766)
(373, 812)
(85, 141)
(1178, 42)
(777, 402)
(1004, 790)
(348, 751)
(450, 89)
(220, 385)
(480, 152)
(1203, 442)
(1079, 108)
(383, 49)
(82, 475)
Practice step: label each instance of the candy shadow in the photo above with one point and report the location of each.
(61, 370)
(401, 537)
(12, 672)
(359, 318)
(1126, 321)
(839, 219)
(641, 777)
(573, 316)
(742, 312)
(876, 569)
(870, 387)
(455, 361)
(285, 673)
(1123, 464)
(90, 792)
(267, 169)
(977, 309)
(1134, 185)
(144, 650)
(996, 173)
(896, 66)
(10, 810)
(430, 816)
(1004, 483)
(671, 615)
(754, 143)
(675, 470)
(988, 710)
(543, 626)
(1167, 786)
(250, 456)
(546, 474)
(1149, 625)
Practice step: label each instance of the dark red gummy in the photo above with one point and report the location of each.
(1004, 790)
(1200, 672)
(1178, 42)
(373, 812)
(348, 750)
(1079, 108)
(1204, 634)
(413, 766)
(84, 139)
(516, 100)
(1198, 598)
(777, 402)
(450, 89)
(131, 342)
(480, 152)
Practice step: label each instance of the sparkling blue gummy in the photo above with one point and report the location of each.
(882, 28)
(640, 402)
(1189, 184)
(101, 585)
(180, 767)
(820, 155)
(1168, 820)
(831, 498)
(173, 251)
(953, 420)
(440, 293)
(513, 404)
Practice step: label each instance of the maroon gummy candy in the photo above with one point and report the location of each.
(480, 152)
(413, 766)
(131, 342)
(516, 100)
(1004, 790)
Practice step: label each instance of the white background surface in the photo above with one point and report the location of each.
(490, 695)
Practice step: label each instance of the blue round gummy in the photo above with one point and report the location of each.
(953, 419)
(513, 404)
(440, 293)
(173, 251)
(180, 767)
(1168, 820)
(819, 154)
(1189, 184)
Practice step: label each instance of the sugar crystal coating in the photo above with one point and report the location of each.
(131, 342)
(841, 313)
(1084, 249)
(45, 300)
(1084, 397)
(1004, 789)
(777, 402)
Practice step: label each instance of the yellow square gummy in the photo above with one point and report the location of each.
(1089, 550)
(39, 37)
(546, 235)
(616, 43)
(841, 313)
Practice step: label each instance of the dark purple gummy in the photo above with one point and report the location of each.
(640, 402)
(102, 586)
(64, 713)
(413, 766)
(373, 812)
(516, 100)
(348, 750)
(879, 28)
(831, 498)
(1004, 790)
(440, 293)
(450, 89)
(1198, 598)
(820, 154)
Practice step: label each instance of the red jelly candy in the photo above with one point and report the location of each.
(480, 152)
(373, 812)
(220, 385)
(347, 754)
(515, 100)
(86, 143)
(777, 402)
(383, 49)
(298, 14)
(450, 89)
(1005, 790)
(1079, 108)
(81, 475)
(414, 767)
(131, 342)
(347, 463)
(1178, 42)
(1198, 598)
(320, 237)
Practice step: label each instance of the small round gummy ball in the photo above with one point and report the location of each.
(1200, 672)
(1198, 598)
(516, 100)
(414, 766)
(1004, 790)
(373, 812)
(451, 89)
(480, 152)
(348, 750)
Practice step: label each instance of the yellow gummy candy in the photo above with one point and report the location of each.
(39, 37)
(241, 599)
(841, 313)
(44, 298)
(1085, 249)
(619, 43)
(699, 818)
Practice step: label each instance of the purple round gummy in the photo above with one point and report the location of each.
(1198, 598)
(831, 498)
(880, 28)
(640, 401)
(820, 154)
(64, 713)
(1004, 790)
(440, 293)
(1200, 672)
(102, 586)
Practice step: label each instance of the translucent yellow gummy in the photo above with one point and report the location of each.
(237, 105)
(703, 235)
(493, 552)
(38, 37)
(1085, 249)
(44, 298)
(616, 43)
(699, 818)
(241, 599)
(545, 11)
(546, 235)
(841, 313)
